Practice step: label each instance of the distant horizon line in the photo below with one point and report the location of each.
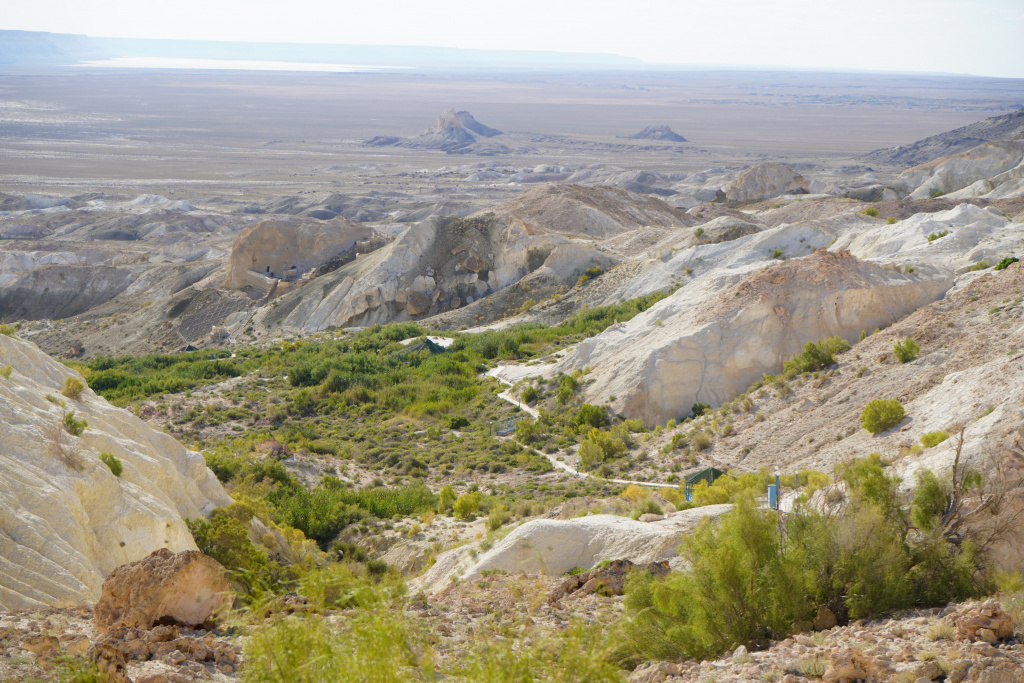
(499, 58)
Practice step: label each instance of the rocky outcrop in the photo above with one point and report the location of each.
(606, 579)
(681, 352)
(65, 520)
(958, 171)
(554, 546)
(433, 267)
(454, 132)
(596, 211)
(183, 588)
(662, 132)
(982, 622)
(951, 142)
(273, 246)
(765, 181)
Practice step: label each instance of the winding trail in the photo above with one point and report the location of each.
(560, 464)
(785, 502)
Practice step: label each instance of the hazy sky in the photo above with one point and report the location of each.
(984, 37)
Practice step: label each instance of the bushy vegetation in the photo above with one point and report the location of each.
(932, 439)
(750, 575)
(937, 235)
(74, 426)
(324, 511)
(73, 387)
(5, 371)
(7, 330)
(1005, 262)
(115, 465)
(815, 356)
(906, 350)
(882, 414)
(121, 380)
(870, 211)
(980, 265)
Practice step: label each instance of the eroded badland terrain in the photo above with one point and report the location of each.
(486, 376)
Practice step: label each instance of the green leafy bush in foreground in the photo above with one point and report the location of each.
(750, 575)
(882, 414)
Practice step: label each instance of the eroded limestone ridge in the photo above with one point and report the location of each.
(66, 519)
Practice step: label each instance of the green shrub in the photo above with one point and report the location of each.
(906, 350)
(937, 193)
(498, 517)
(980, 265)
(932, 439)
(457, 422)
(698, 232)
(72, 387)
(890, 220)
(937, 235)
(778, 254)
(1005, 263)
(530, 394)
(113, 463)
(590, 416)
(8, 330)
(738, 587)
(870, 211)
(880, 415)
(590, 454)
(225, 538)
(467, 504)
(447, 498)
(73, 426)
(5, 371)
(816, 356)
(647, 506)
(698, 409)
(375, 645)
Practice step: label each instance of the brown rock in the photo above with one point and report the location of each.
(165, 587)
(850, 666)
(474, 264)
(931, 671)
(110, 662)
(75, 645)
(162, 634)
(825, 620)
(418, 303)
(608, 580)
(972, 619)
(38, 644)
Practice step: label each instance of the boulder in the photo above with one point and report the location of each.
(273, 246)
(182, 588)
(66, 521)
(986, 622)
(418, 303)
(765, 181)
